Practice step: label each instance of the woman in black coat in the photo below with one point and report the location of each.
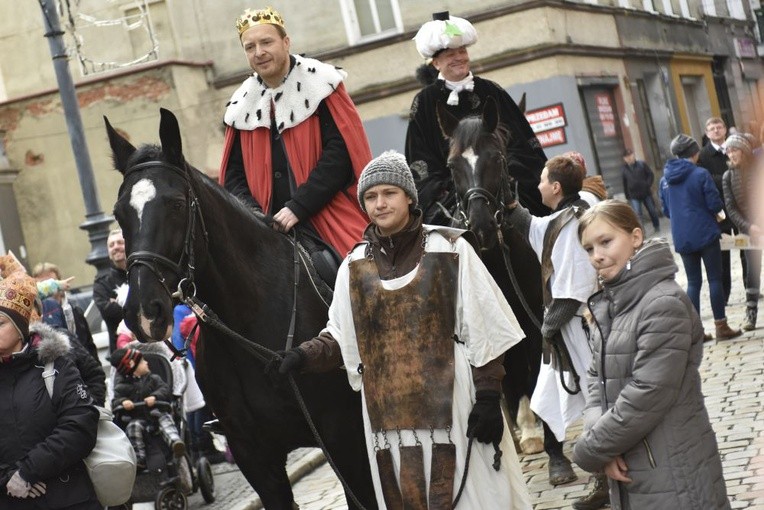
(44, 438)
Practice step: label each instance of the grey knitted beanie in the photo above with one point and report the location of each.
(738, 141)
(684, 146)
(390, 167)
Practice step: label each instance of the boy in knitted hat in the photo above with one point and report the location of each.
(136, 383)
(422, 329)
(693, 204)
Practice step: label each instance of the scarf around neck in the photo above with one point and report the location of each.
(457, 86)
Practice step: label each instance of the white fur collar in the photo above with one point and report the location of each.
(53, 344)
(306, 85)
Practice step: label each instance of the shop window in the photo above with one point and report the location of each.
(367, 20)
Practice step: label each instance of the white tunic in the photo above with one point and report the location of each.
(488, 328)
(573, 278)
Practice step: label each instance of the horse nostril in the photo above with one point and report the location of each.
(155, 309)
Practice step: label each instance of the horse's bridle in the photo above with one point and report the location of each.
(152, 261)
(478, 192)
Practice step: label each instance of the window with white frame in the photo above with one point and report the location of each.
(648, 5)
(685, 8)
(366, 20)
(736, 9)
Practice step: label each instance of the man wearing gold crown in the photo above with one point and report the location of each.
(294, 143)
(443, 43)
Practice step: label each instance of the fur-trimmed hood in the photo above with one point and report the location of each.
(52, 344)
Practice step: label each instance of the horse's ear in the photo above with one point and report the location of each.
(121, 149)
(446, 121)
(169, 135)
(521, 104)
(490, 115)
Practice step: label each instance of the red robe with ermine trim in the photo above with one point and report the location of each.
(341, 222)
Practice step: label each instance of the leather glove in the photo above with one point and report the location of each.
(293, 360)
(285, 362)
(485, 423)
(17, 486)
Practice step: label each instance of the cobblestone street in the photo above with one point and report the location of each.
(733, 383)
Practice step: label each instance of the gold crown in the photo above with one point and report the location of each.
(9, 264)
(17, 293)
(252, 17)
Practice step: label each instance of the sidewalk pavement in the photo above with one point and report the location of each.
(733, 383)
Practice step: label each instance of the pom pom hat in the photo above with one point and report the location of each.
(738, 141)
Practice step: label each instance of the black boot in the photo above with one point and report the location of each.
(597, 498)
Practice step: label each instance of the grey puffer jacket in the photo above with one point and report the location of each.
(645, 397)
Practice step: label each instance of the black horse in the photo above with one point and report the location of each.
(178, 224)
(478, 163)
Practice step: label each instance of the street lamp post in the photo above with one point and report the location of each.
(96, 222)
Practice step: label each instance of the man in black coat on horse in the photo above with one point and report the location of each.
(463, 94)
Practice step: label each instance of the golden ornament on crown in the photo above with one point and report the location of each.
(17, 293)
(252, 17)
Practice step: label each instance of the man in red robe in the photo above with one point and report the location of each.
(294, 143)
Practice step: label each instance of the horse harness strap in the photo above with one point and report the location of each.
(151, 260)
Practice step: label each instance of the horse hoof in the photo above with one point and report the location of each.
(531, 445)
(560, 471)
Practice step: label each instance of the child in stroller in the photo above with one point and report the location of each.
(136, 384)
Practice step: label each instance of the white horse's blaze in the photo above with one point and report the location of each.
(471, 157)
(142, 193)
(145, 325)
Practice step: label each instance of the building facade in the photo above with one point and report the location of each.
(599, 76)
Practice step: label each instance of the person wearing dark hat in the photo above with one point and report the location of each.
(443, 43)
(135, 383)
(738, 182)
(694, 206)
(638, 180)
(422, 329)
(294, 142)
(45, 437)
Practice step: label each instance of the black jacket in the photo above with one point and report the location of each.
(104, 289)
(716, 164)
(637, 180)
(46, 438)
(138, 388)
(427, 148)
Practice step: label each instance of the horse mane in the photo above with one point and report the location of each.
(469, 133)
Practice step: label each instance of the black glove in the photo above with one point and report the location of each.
(285, 362)
(293, 360)
(486, 424)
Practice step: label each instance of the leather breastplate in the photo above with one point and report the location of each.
(405, 342)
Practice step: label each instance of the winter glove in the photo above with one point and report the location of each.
(293, 360)
(485, 423)
(17, 486)
(284, 362)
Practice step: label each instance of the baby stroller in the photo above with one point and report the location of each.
(167, 480)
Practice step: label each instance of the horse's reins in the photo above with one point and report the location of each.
(186, 293)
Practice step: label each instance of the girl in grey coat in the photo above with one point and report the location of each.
(645, 425)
